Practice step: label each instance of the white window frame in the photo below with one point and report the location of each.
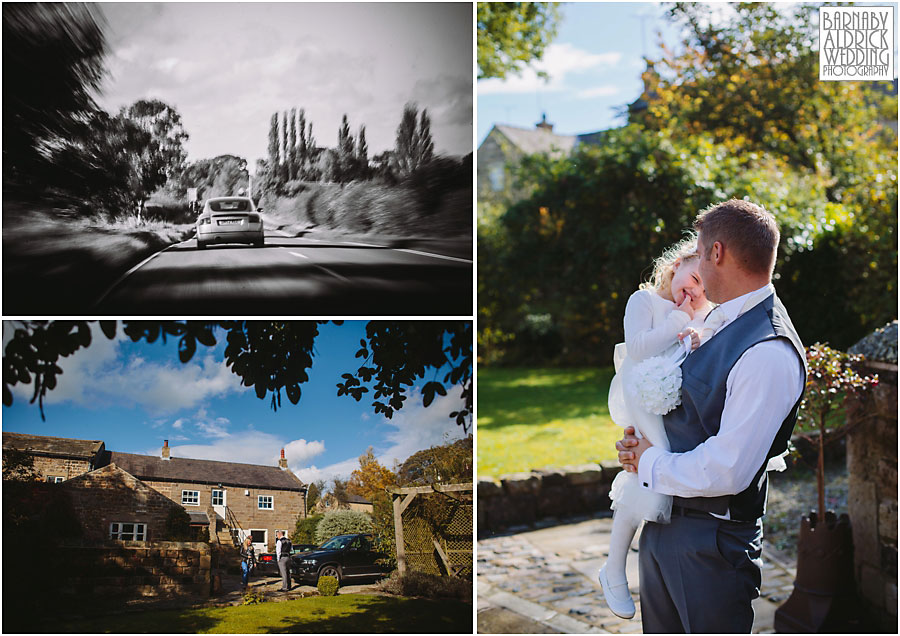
(212, 498)
(55, 479)
(259, 547)
(138, 530)
(497, 177)
(196, 498)
(259, 502)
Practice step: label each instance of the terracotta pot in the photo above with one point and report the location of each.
(824, 599)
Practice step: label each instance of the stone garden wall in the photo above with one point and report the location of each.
(134, 569)
(522, 499)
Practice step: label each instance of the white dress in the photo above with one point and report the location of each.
(652, 326)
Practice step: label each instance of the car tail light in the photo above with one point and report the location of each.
(254, 218)
(205, 221)
(265, 558)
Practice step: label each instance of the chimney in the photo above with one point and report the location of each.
(165, 450)
(282, 463)
(544, 124)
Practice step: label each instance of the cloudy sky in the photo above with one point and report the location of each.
(227, 67)
(133, 396)
(594, 64)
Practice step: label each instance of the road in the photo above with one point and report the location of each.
(294, 276)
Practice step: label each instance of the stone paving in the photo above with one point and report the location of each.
(544, 580)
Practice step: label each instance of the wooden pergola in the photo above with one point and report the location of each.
(402, 497)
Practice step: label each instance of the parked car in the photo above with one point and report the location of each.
(266, 565)
(345, 556)
(230, 220)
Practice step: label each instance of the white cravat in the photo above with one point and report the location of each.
(716, 318)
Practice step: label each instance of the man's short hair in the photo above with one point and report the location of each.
(746, 229)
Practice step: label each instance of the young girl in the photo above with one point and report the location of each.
(671, 306)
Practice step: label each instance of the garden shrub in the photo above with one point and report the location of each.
(178, 525)
(328, 586)
(427, 586)
(342, 522)
(305, 530)
(253, 597)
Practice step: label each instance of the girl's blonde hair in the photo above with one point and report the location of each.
(664, 266)
(247, 541)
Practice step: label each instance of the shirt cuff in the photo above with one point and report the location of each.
(645, 466)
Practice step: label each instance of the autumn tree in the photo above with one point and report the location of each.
(448, 463)
(512, 35)
(340, 492)
(371, 478)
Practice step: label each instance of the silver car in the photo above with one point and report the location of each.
(229, 220)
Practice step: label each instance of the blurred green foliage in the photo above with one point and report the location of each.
(738, 111)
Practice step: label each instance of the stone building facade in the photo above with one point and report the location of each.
(111, 503)
(57, 458)
(234, 500)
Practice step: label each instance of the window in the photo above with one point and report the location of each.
(258, 536)
(55, 479)
(190, 497)
(496, 177)
(218, 497)
(266, 503)
(128, 531)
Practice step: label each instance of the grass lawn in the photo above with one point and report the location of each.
(345, 613)
(540, 418)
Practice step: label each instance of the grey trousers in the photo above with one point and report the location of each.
(699, 575)
(284, 566)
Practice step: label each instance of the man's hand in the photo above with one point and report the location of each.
(630, 450)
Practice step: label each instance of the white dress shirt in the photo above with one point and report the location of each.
(761, 388)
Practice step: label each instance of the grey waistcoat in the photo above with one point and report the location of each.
(704, 374)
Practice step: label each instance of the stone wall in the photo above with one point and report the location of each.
(133, 569)
(521, 499)
(66, 468)
(287, 505)
(111, 495)
(872, 500)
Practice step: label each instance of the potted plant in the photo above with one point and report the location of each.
(823, 598)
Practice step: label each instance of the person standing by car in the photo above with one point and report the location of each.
(248, 561)
(283, 556)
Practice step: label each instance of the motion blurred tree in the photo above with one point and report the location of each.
(414, 146)
(285, 149)
(163, 154)
(371, 478)
(293, 159)
(274, 157)
(301, 149)
(362, 154)
(52, 64)
(512, 35)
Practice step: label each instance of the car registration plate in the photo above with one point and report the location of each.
(230, 222)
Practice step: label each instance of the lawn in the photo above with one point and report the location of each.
(345, 613)
(542, 418)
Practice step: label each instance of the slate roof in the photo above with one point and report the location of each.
(537, 140)
(203, 471)
(357, 499)
(55, 446)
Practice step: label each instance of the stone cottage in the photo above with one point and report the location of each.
(234, 500)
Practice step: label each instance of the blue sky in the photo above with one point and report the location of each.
(595, 66)
(133, 396)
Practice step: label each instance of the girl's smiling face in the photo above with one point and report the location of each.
(686, 281)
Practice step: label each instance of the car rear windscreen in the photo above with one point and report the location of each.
(230, 205)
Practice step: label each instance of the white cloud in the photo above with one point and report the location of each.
(179, 423)
(244, 447)
(299, 452)
(212, 428)
(597, 91)
(558, 62)
(105, 375)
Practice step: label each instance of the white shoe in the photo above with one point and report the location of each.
(618, 598)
